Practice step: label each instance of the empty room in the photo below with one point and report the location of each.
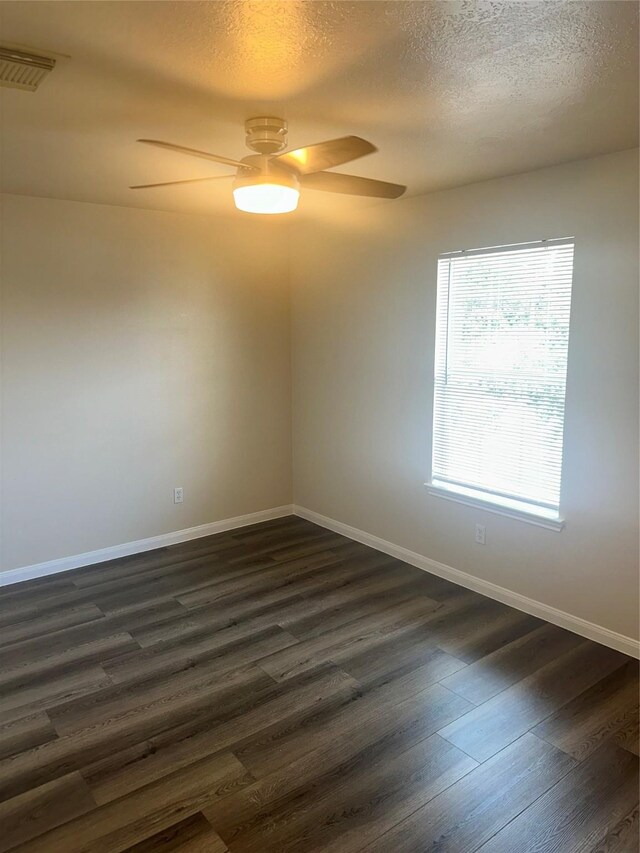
(319, 447)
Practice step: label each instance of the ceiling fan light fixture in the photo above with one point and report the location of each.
(266, 198)
(276, 190)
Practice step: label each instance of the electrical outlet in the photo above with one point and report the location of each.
(480, 534)
(178, 495)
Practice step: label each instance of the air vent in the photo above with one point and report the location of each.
(20, 70)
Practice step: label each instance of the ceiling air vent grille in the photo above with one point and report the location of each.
(20, 70)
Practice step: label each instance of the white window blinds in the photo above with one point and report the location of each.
(500, 372)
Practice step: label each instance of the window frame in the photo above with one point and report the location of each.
(539, 516)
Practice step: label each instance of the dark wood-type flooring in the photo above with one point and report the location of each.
(282, 688)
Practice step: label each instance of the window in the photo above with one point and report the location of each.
(502, 334)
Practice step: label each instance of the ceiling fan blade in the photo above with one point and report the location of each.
(193, 152)
(325, 155)
(173, 183)
(334, 182)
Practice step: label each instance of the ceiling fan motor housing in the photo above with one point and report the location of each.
(266, 134)
(261, 169)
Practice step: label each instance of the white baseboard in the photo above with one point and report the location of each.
(521, 602)
(64, 564)
(590, 630)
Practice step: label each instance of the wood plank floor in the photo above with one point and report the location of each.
(281, 688)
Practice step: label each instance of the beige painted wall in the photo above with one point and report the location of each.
(142, 350)
(364, 293)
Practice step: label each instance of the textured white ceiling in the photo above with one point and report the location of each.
(450, 92)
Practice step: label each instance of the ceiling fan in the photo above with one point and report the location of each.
(267, 182)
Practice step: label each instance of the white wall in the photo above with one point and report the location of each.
(145, 350)
(364, 293)
(141, 351)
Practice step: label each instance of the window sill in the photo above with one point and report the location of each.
(450, 493)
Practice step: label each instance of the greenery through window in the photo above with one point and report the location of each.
(502, 339)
